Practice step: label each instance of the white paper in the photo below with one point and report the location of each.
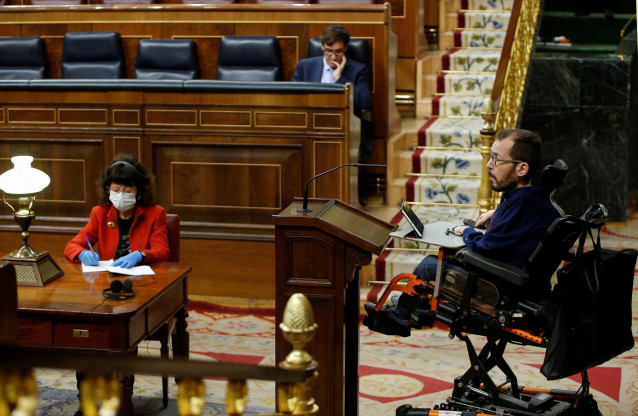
(102, 266)
(132, 271)
(105, 266)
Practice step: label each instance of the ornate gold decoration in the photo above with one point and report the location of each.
(191, 397)
(18, 393)
(485, 196)
(236, 395)
(298, 326)
(102, 391)
(516, 73)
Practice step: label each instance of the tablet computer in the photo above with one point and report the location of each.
(411, 218)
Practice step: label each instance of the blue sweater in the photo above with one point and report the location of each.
(516, 227)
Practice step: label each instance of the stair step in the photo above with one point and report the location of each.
(457, 105)
(482, 38)
(443, 190)
(447, 162)
(487, 4)
(464, 83)
(484, 19)
(451, 132)
(474, 60)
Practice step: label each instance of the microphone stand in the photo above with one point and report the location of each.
(305, 192)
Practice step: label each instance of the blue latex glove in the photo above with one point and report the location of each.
(129, 260)
(89, 258)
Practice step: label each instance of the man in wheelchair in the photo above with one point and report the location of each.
(515, 228)
(499, 287)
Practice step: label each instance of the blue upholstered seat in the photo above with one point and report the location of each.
(22, 58)
(249, 58)
(92, 55)
(166, 59)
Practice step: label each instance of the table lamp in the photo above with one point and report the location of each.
(32, 267)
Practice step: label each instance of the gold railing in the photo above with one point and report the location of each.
(509, 87)
(622, 36)
(100, 391)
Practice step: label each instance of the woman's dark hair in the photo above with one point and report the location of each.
(334, 33)
(128, 171)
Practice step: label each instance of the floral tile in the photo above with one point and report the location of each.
(464, 83)
(447, 162)
(476, 60)
(452, 133)
(447, 190)
(484, 19)
(487, 4)
(457, 105)
(477, 38)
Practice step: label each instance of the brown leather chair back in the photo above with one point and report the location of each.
(172, 226)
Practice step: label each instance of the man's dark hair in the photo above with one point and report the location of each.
(334, 33)
(128, 171)
(527, 147)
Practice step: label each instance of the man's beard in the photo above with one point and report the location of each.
(508, 182)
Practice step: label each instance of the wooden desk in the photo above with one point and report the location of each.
(71, 313)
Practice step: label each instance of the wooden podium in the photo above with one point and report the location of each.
(319, 254)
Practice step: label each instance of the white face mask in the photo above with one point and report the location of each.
(122, 201)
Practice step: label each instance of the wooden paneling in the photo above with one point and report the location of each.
(224, 160)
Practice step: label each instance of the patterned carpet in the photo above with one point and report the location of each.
(417, 370)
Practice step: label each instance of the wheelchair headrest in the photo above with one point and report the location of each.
(553, 176)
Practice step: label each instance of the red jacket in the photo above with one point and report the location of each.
(148, 233)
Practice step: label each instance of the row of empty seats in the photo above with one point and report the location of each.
(77, 2)
(99, 55)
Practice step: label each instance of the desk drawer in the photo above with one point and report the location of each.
(35, 332)
(81, 335)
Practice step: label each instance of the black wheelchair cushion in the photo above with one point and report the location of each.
(505, 271)
(92, 55)
(249, 58)
(23, 58)
(166, 59)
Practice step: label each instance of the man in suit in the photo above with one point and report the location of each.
(334, 67)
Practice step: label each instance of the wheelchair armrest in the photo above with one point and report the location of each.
(505, 271)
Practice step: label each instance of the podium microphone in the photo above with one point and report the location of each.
(305, 192)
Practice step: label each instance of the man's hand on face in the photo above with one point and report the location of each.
(336, 72)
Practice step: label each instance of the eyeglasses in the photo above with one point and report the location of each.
(337, 52)
(119, 190)
(496, 160)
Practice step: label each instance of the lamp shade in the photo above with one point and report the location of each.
(23, 180)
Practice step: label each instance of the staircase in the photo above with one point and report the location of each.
(437, 168)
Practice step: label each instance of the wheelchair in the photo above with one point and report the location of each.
(505, 304)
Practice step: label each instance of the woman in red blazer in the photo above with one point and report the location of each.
(127, 225)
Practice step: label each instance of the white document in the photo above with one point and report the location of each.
(105, 266)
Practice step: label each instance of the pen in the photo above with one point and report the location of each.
(89, 243)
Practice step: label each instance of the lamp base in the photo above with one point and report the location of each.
(34, 271)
